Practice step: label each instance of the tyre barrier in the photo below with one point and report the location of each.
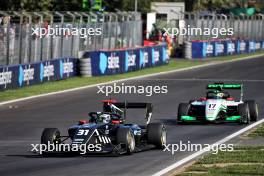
(188, 50)
(85, 67)
(212, 48)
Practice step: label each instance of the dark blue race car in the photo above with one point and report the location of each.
(108, 132)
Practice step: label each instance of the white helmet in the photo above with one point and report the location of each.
(105, 118)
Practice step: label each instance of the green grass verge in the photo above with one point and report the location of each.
(244, 160)
(78, 81)
(259, 132)
(241, 161)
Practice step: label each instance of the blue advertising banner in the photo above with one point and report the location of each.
(197, 50)
(30, 74)
(203, 49)
(122, 61)
(8, 77)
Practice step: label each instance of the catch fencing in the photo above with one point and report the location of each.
(243, 26)
(19, 44)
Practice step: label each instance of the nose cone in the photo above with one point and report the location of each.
(212, 109)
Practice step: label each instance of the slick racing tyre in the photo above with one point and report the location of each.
(126, 137)
(183, 110)
(157, 135)
(253, 110)
(243, 111)
(51, 135)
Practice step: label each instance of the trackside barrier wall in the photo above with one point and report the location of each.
(93, 63)
(204, 49)
(17, 76)
(97, 63)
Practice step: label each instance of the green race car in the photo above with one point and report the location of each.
(219, 106)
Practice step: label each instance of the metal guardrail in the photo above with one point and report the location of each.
(18, 45)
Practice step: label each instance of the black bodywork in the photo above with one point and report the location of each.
(105, 134)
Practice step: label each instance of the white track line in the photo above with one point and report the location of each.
(199, 153)
(206, 79)
(132, 78)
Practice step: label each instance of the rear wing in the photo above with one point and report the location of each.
(115, 107)
(222, 86)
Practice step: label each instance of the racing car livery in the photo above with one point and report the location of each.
(108, 130)
(219, 106)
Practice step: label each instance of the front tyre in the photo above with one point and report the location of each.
(243, 111)
(157, 135)
(183, 110)
(253, 110)
(50, 135)
(126, 137)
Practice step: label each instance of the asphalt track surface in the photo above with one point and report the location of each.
(21, 123)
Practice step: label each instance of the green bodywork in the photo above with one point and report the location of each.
(190, 118)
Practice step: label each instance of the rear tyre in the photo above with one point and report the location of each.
(126, 137)
(183, 110)
(253, 110)
(243, 111)
(157, 135)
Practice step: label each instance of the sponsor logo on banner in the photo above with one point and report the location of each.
(103, 63)
(113, 61)
(143, 58)
(220, 48)
(146, 57)
(165, 54)
(242, 46)
(25, 75)
(130, 60)
(258, 45)
(46, 71)
(66, 67)
(231, 48)
(5, 77)
(155, 56)
(251, 45)
(209, 49)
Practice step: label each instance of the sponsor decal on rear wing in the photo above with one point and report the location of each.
(224, 86)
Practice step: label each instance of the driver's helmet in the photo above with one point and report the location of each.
(218, 95)
(104, 118)
(215, 95)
